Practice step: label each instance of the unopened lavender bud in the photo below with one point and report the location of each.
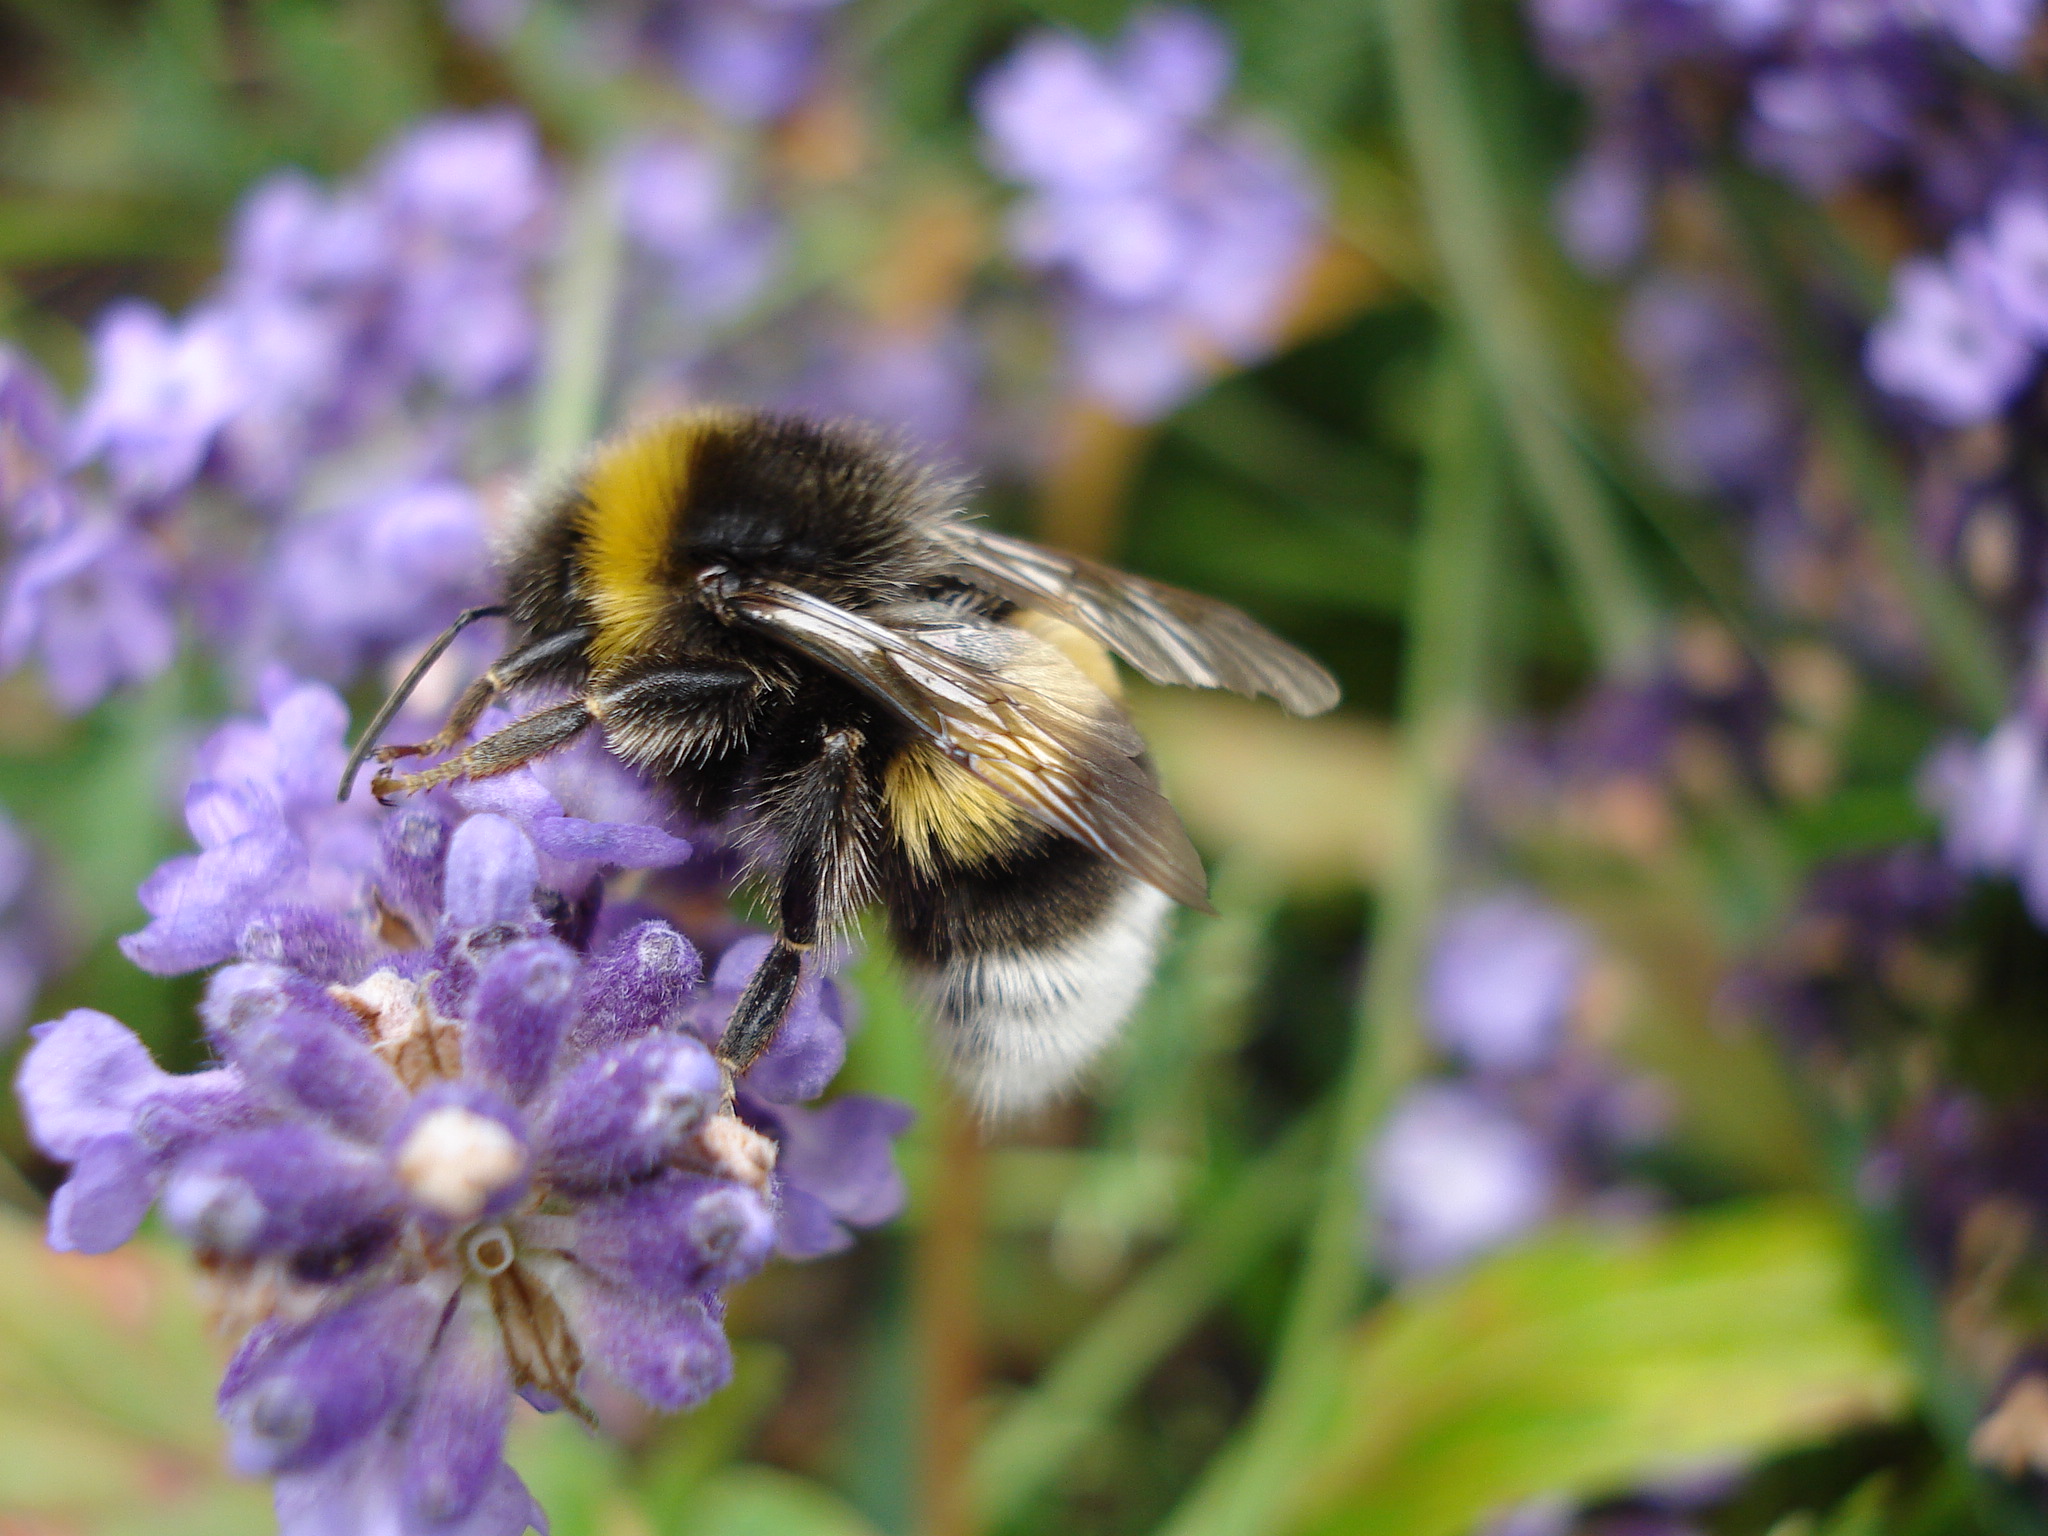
(412, 854)
(676, 1236)
(455, 1431)
(640, 984)
(317, 944)
(625, 1111)
(333, 1382)
(311, 1062)
(520, 1014)
(241, 996)
(288, 1189)
(189, 1109)
(673, 1356)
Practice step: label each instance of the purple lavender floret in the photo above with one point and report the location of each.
(31, 434)
(426, 541)
(1174, 234)
(1503, 974)
(277, 851)
(1992, 798)
(1456, 1172)
(749, 60)
(362, 325)
(92, 601)
(162, 392)
(681, 207)
(445, 1161)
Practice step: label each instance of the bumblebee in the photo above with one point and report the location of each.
(792, 627)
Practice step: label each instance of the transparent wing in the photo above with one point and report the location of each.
(1169, 635)
(1075, 772)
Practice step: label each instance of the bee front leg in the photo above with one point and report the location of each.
(508, 671)
(823, 816)
(500, 752)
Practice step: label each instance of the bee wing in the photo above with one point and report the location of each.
(1075, 772)
(1169, 635)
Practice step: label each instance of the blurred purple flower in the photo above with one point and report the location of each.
(1603, 207)
(161, 393)
(426, 542)
(1503, 974)
(308, 280)
(1175, 238)
(1060, 114)
(1992, 798)
(679, 204)
(31, 431)
(1824, 122)
(469, 201)
(2015, 260)
(1453, 1175)
(92, 601)
(1945, 343)
(922, 383)
(751, 60)
(1720, 415)
(1994, 30)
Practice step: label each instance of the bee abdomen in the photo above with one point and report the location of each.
(1020, 1021)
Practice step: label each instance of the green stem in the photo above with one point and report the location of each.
(582, 311)
(1250, 1485)
(1961, 641)
(1464, 210)
(1040, 1433)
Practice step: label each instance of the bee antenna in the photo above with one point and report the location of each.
(367, 742)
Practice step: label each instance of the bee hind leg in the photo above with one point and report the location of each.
(823, 815)
(518, 744)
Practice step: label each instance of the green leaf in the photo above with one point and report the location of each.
(576, 1476)
(1596, 1359)
(106, 1396)
(762, 1501)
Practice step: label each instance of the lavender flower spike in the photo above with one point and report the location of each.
(449, 1158)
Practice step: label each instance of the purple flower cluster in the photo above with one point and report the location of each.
(87, 592)
(466, 1136)
(1174, 234)
(1818, 91)
(248, 462)
(1464, 1164)
(1963, 333)
(1992, 798)
(1890, 106)
(682, 206)
(750, 61)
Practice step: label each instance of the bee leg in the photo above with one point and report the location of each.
(500, 752)
(823, 814)
(508, 671)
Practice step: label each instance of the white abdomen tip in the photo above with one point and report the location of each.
(1020, 1025)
